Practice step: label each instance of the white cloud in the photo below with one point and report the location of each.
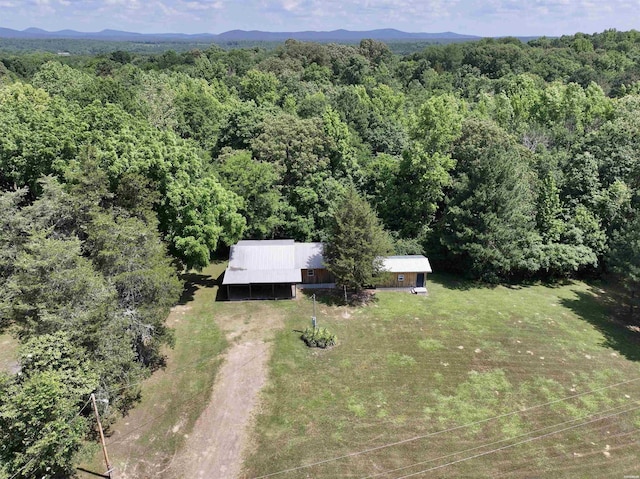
(290, 5)
(487, 17)
(202, 5)
(329, 14)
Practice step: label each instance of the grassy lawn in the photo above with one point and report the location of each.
(144, 442)
(514, 382)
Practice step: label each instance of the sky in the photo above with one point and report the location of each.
(473, 17)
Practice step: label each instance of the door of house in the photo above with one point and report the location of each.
(420, 280)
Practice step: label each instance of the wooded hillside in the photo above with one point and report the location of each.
(498, 159)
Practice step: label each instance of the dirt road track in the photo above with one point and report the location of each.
(215, 446)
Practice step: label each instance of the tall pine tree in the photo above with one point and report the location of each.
(489, 223)
(356, 244)
(625, 259)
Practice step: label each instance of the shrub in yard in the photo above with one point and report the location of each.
(318, 338)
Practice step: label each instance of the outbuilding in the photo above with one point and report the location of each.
(408, 271)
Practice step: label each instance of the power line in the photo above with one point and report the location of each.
(208, 359)
(185, 402)
(573, 466)
(101, 432)
(37, 456)
(516, 444)
(122, 388)
(189, 400)
(424, 436)
(489, 444)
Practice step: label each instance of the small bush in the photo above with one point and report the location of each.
(318, 338)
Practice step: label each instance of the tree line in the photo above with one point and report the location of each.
(501, 160)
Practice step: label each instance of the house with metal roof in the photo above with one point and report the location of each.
(273, 269)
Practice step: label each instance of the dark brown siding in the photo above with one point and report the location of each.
(390, 280)
(319, 276)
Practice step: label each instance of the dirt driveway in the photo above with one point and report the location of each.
(215, 446)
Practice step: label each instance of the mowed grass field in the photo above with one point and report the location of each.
(532, 381)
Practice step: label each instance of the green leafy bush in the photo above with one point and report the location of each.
(318, 338)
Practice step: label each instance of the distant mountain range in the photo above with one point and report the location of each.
(387, 34)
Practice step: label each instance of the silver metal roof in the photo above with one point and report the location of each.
(259, 262)
(280, 261)
(416, 263)
(310, 255)
(243, 276)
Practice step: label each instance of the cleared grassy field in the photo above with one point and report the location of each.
(532, 381)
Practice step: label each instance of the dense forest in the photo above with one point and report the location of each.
(498, 159)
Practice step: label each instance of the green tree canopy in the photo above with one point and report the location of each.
(257, 183)
(625, 258)
(488, 227)
(356, 243)
(41, 426)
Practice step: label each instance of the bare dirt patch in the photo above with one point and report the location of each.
(195, 416)
(9, 354)
(215, 446)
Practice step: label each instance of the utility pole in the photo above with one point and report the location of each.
(104, 446)
(313, 318)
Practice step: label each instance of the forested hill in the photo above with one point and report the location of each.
(387, 34)
(551, 121)
(498, 159)
(71, 41)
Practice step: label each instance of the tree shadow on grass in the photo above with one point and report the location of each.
(328, 297)
(461, 283)
(457, 282)
(601, 309)
(335, 297)
(195, 281)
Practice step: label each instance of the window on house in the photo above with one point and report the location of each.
(311, 272)
(401, 277)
